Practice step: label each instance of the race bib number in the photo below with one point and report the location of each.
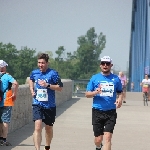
(107, 89)
(42, 95)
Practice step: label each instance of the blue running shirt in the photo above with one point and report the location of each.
(110, 85)
(44, 97)
(6, 78)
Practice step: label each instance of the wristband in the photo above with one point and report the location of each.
(48, 86)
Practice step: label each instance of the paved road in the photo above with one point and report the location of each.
(73, 130)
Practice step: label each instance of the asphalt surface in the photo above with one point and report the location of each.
(73, 129)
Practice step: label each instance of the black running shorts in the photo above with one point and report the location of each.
(46, 115)
(103, 121)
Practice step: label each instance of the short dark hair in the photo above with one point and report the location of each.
(43, 56)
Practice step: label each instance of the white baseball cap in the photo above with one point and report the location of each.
(106, 59)
(3, 63)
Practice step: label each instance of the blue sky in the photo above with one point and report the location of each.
(47, 24)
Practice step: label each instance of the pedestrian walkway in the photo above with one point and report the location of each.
(73, 129)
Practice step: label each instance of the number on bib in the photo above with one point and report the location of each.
(42, 95)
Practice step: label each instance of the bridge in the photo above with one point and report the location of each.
(73, 129)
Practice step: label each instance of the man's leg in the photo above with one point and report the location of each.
(6, 116)
(37, 135)
(98, 142)
(1, 130)
(37, 118)
(98, 127)
(109, 127)
(124, 97)
(149, 94)
(1, 123)
(49, 120)
(124, 94)
(48, 136)
(5, 129)
(98, 133)
(107, 139)
(143, 96)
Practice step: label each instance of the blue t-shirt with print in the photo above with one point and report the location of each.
(5, 79)
(44, 97)
(110, 85)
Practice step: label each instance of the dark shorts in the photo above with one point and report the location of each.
(5, 114)
(46, 115)
(103, 121)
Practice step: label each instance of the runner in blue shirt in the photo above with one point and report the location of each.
(103, 88)
(43, 84)
(7, 101)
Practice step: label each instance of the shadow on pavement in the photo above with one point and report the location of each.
(18, 137)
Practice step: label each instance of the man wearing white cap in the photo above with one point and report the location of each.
(7, 98)
(103, 88)
(3, 64)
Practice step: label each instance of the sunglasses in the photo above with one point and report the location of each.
(107, 63)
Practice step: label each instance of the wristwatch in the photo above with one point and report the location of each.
(48, 86)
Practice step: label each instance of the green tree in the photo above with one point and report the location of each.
(20, 62)
(60, 53)
(88, 52)
(26, 61)
(80, 64)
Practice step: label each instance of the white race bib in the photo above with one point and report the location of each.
(42, 95)
(107, 89)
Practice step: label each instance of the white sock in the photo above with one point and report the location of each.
(98, 147)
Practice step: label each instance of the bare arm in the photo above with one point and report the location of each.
(90, 94)
(15, 87)
(120, 96)
(52, 87)
(31, 85)
(55, 87)
(125, 82)
(119, 100)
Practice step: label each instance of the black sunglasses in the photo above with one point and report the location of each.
(107, 63)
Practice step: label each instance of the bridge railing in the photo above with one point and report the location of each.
(22, 111)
